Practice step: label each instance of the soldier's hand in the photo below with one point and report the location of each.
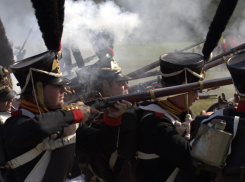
(87, 110)
(118, 109)
(204, 113)
(69, 94)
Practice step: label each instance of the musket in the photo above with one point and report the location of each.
(217, 60)
(144, 69)
(145, 85)
(147, 74)
(229, 53)
(22, 48)
(191, 46)
(87, 60)
(207, 96)
(105, 102)
(222, 58)
(156, 63)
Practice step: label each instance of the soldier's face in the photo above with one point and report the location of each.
(119, 88)
(54, 96)
(192, 97)
(180, 102)
(6, 106)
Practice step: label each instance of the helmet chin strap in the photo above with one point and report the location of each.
(107, 88)
(39, 86)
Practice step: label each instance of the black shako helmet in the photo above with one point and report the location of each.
(236, 67)
(104, 69)
(42, 68)
(179, 68)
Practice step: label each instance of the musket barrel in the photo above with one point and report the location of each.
(144, 69)
(213, 64)
(191, 46)
(162, 92)
(206, 96)
(145, 75)
(231, 51)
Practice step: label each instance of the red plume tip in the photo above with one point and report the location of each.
(112, 51)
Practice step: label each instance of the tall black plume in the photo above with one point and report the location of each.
(218, 25)
(50, 16)
(6, 51)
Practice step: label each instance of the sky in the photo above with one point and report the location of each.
(129, 21)
(132, 21)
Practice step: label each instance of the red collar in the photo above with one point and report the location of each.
(241, 106)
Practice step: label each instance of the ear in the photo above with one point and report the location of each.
(35, 92)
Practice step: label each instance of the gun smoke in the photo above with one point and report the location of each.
(130, 22)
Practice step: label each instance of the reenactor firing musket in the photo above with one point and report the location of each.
(153, 94)
(155, 64)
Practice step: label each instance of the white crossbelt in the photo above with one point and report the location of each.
(47, 144)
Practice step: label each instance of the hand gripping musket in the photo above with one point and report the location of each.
(156, 63)
(153, 94)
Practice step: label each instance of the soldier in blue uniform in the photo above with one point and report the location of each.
(164, 129)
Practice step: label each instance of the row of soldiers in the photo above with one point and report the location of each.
(48, 139)
(148, 142)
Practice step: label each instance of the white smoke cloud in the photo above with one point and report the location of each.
(18, 18)
(84, 16)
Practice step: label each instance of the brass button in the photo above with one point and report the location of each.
(70, 174)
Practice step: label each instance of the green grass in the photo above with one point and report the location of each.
(135, 56)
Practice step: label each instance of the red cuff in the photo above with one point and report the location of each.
(158, 114)
(112, 121)
(241, 106)
(16, 113)
(78, 116)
